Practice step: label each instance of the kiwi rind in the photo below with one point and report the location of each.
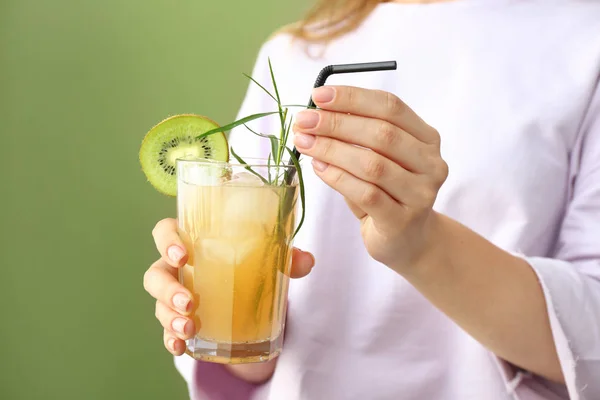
(164, 135)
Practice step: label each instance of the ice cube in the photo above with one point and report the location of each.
(215, 251)
(253, 207)
(244, 178)
(204, 174)
(226, 252)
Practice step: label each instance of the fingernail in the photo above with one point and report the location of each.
(323, 94)
(181, 301)
(178, 325)
(171, 344)
(175, 253)
(307, 119)
(304, 141)
(319, 165)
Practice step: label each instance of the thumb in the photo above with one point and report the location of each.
(302, 263)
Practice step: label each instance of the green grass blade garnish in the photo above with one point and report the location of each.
(278, 99)
(280, 175)
(281, 115)
(287, 131)
(261, 134)
(272, 138)
(269, 169)
(274, 147)
(260, 86)
(237, 123)
(248, 168)
(282, 138)
(301, 184)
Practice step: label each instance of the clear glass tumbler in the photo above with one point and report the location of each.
(237, 222)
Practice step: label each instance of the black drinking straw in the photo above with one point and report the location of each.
(340, 69)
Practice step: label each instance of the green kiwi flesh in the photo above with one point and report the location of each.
(174, 138)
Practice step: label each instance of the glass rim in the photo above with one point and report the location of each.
(253, 162)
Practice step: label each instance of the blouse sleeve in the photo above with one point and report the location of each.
(570, 278)
(208, 380)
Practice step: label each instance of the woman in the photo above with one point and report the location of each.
(458, 245)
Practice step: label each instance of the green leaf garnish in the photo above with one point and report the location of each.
(272, 138)
(260, 86)
(281, 113)
(282, 174)
(248, 168)
(301, 184)
(235, 124)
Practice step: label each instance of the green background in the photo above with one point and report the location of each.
(81, 81)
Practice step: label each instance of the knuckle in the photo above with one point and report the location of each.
(325, 147)
(160, 225)
(393, 104)
(174, 287)
(166, 337)
(148, 277)
(436, 137)
(151, 277)
(374, 167)
(337, 177)
(441, 171)
(428, 196)
(335, 122)
(351, 97)
(157, 312)
(386, 134)
(437, 168)
(370, 197)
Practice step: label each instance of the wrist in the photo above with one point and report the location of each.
(255, 373)
(432, 250)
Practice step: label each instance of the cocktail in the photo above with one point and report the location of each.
(237, 222)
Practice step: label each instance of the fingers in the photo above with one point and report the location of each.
(381, 136)
(169, 244)
(384, 210)
(173, 344)
(178, 325)
(161, 283)
(374, 104)
(364, 164)
(302, 263)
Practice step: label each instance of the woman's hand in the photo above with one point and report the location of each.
(374, 150)
(173, 300)
(385, 160)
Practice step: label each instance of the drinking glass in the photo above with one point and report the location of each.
(237, 222)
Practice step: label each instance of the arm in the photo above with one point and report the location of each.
(494, 296)
(541, 314)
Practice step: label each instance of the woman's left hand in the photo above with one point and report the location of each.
(385, 160)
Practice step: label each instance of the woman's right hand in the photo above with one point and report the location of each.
(173, 301)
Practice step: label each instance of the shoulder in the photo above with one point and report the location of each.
(566, 33)
(279, 43)
(293, 60)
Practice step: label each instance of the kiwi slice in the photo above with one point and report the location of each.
(176, 137)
